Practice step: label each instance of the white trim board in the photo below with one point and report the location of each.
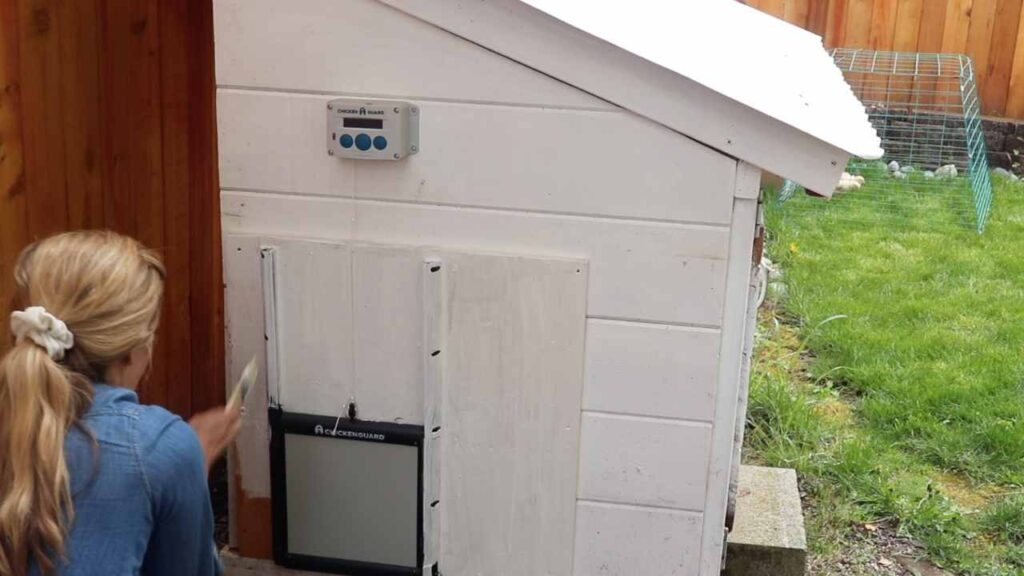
(734, 327)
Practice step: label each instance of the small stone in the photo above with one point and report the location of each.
(1003, 173)
(929, 174)
(894, 166)
(907, 169)
(947, 171)
(899, 175)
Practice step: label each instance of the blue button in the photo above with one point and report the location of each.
(363, 142)
(380, 142)
(346, 141)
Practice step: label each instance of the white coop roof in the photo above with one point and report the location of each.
(725, 74)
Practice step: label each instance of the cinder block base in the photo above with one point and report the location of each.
(768, 537)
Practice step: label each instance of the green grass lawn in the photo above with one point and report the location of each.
(891, 373)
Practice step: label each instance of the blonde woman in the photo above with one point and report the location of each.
(91, 481)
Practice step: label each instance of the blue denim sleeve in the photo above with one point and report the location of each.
(174, 468)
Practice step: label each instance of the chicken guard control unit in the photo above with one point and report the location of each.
(372, 130)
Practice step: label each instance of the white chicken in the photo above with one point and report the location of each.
(849, 182)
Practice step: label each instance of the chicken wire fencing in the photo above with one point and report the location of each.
(926, 109)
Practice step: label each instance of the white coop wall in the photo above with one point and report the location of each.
(515, 162)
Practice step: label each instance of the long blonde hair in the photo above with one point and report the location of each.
(107, 289)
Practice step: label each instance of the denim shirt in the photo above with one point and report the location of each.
(141, 503)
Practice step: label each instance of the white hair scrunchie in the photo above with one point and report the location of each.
(44, 329)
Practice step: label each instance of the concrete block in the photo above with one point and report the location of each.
(998, 125)
(995, 140)
(1000, 160)
(768, 537)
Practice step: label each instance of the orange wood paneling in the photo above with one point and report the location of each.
(107, 120)
(996, 88)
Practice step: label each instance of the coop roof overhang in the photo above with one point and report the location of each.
(742, 82)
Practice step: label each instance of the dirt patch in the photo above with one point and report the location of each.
(960, 490)
(834, 411)
(876, 549)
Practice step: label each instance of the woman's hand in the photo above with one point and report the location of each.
(216, 429)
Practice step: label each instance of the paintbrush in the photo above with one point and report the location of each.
(245, 382)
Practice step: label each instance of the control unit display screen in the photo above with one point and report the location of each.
(366, 123)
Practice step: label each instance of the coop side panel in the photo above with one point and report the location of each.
(511, 162)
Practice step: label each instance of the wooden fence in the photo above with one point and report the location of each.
(107, 120)
(990, 31)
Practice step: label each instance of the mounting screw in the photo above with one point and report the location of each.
(397, 110)
(330, 152)
(415, 110)
(397, 156)
(415, 148)
(330, 106)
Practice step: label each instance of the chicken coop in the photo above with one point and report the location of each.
(927, 111)
(496, 262)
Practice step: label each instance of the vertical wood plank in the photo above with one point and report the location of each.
(886, 88)
(929, 41)
(979, 40)
(1015, 94)
(797, 11)
(174, 79)
(207, 296)
(908, 27)
(80, 112)
(776, 8)
(835, 25)
(116, 97)
(909, 15)
(883, 25)
(146, 154)
(933, 21)
(13, 213)
(958, 20)
(817, 16)
(858, 24)
(41, 109)
(995, 90)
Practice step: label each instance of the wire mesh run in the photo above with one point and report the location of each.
(926, 109)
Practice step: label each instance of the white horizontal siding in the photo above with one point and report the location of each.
(616, 540)
(644, 461)
(366, 48)
(647, 271)
(651, 370)
(549, 160)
